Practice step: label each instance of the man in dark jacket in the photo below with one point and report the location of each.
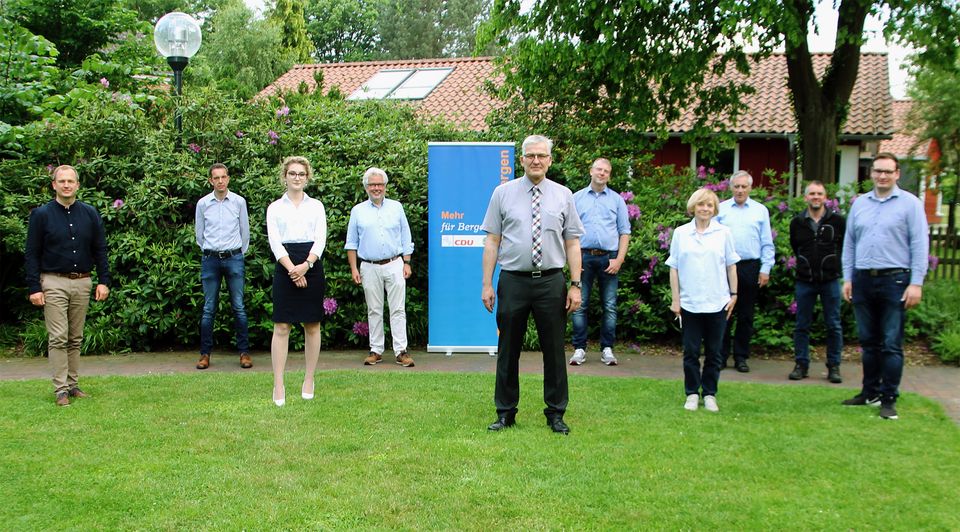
(816, 237)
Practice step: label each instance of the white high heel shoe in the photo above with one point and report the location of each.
(305, 395)
(281, 401)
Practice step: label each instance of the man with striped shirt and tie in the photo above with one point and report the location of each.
(532, 230)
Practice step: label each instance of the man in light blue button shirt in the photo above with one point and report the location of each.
(378, 237)
(603, 247)
(223, 234)
(750, 223)
(885, 253)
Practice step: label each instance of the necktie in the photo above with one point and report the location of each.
(537, 230)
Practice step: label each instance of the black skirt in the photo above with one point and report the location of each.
(298, 305)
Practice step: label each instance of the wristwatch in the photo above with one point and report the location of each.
(575, 284)
(310, 264)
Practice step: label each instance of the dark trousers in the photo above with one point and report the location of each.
(546, 298)
(806, 297)
(706, 329)
(880, 318)
(748, 277)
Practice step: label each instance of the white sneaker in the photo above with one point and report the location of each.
(710, 403)
(693, 401)
(579, 357)
(607, 357)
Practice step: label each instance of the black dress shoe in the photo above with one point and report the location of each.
(742, 366)
(557, 425)
(502, 423)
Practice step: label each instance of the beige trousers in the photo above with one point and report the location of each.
(377, 279)
(64, 311)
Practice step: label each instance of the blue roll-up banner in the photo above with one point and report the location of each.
(461, 179)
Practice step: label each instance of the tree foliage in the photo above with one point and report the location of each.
(639, 65)
(430, 28)
(288, 15)
(343, 30)
(240, 54)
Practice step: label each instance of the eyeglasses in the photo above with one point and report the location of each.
(299, 175)
(879, 171)
(535, 156)
(376, 185)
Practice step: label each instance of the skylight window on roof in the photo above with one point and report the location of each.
(420, 84)
(380, 85)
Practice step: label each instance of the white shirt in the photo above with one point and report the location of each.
(701, 261)
(288, 223)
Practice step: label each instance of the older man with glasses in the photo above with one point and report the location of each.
(885, 253)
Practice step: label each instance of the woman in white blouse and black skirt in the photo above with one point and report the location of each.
(297, 229)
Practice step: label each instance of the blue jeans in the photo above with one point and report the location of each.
(880, 318)
(706, 330)
(806, 295)
(593, 268)
(212, 270)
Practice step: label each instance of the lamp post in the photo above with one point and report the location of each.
(177, 37)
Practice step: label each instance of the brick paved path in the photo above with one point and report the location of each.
(941, 383)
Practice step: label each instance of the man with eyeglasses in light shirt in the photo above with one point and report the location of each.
(379, 238)
(885, 253)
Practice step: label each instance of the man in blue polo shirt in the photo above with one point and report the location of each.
(603, 247)
(885, 253)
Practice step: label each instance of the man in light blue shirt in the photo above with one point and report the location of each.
(223, 234)
(885, 253)
(603, 248)
(750, 223)
(378, 237)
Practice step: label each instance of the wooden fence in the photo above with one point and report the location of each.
(946, 248)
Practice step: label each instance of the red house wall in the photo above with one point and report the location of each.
(758, 155)
(673, 152)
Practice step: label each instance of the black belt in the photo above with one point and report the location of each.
(535, 274)
(885, 272)
(596, 252)
(221, 254)
(71, 275)
(748, 261)
(381, 262)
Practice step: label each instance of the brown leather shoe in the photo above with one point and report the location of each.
(63, 399)
(404, 360)
(372, 359)
(245, 361)
(77, 392)
(204, 362)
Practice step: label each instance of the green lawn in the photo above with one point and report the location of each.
(411, 451)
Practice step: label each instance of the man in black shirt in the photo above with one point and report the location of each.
(65, 240)
(816, 237)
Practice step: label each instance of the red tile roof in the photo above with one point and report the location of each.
(904, 145)
(460, 97)
(769, 109)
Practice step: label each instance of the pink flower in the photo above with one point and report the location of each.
(723, 185)
(627, 195)
(792, 309)
(361, 328)
(283, 111)
(832, 204)
(773, 234)
(782, 207)
(195, 147)
(239, 134)
(934, 261)
(633, 212)
(664, 236)
(117, 203)
(701, 172)
(654, 260)
(105, 82)
(51, 167)
(711, 171)
(329, 305)
(789, 262)
(274, 136)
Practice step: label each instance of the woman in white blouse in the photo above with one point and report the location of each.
(297, 229)
(703, 285)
